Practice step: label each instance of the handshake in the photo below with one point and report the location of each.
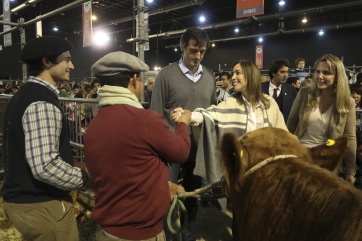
(181, 115)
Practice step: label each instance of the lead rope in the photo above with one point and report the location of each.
(177, 208)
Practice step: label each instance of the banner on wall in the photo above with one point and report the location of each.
(247, 8)
(259, 51)
(6, 18)
(87, 24)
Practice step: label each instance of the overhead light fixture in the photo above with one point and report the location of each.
(55, 28)
(202, 18)
(94, 18)
(213, 45)
(281, 3)
(260, 40)
(236, 30)
(101, 38)
(321, 32)
(156, 68)
(305, 20)
(176, 49)
(149, 1)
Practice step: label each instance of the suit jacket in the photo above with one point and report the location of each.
(339, 125)
(288, 94)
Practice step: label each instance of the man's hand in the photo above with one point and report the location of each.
(174, 188)
(350, 178)
(185, 117)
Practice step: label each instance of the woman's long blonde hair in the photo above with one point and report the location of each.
(253, 79)
(342, 92)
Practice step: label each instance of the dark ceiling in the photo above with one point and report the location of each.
(167, 16)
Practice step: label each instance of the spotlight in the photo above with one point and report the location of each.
(304, 20)
(55, 29)
(175, 49)
(321, 32)
(101, 38)
(260, 40)
(236, 30)
(282, 3)
(202, 18)
(149, 1)
(213, 45)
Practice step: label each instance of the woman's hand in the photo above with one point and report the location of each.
(176, 114)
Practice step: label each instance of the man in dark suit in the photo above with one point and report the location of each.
(284, 94)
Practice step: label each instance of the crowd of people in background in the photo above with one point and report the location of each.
(315, 106)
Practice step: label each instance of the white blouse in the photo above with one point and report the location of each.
(317, 130)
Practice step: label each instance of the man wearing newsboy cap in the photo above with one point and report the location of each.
(126, 158)
(39, 172)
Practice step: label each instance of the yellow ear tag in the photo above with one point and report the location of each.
(330, 142)
(241, 153)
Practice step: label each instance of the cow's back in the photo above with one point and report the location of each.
(291, 199)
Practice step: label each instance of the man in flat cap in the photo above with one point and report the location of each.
(189, 85)
(39, 172)
(128, 160)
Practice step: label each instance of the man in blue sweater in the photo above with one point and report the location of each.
(38, 162)
(189, 85)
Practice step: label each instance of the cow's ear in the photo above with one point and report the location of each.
(230, 149)
(328, 155)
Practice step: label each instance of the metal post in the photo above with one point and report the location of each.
(22, 43)
(141, 29)
(141, 38)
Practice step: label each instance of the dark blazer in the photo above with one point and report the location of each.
(288, 94)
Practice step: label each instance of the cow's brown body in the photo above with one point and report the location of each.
(290, 199)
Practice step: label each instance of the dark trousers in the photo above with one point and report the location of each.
(190, 183)
(235, 229)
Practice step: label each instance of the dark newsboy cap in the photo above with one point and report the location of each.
(44, 47)
(118, 62)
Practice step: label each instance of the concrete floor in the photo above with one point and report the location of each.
(213, 224)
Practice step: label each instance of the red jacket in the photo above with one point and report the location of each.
(126, 150)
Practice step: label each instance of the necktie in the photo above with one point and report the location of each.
(275, 94)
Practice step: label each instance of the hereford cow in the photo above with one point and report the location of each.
(280, 192)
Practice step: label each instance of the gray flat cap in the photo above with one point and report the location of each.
(116, 63)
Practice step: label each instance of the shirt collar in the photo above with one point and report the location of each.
(248, 104)
(185, 70)
(272, 86)
(45, 83)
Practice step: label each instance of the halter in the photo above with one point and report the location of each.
(266, 162)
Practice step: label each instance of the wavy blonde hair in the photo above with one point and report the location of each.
(342, 92)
